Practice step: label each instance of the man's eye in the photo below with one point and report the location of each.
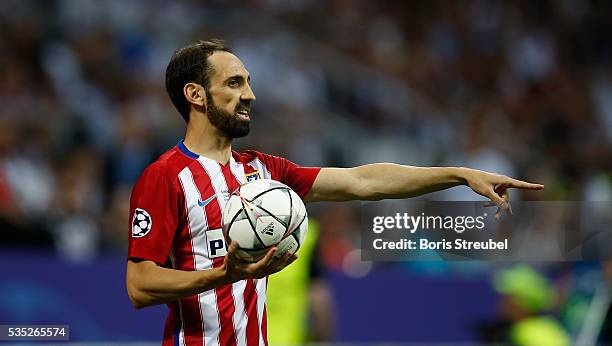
(233, 83)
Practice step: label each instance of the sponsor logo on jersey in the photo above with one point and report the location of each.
(252, 176)
(205, 202)
(216, 243)
(141, 223)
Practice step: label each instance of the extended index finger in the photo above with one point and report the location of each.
(519, 184)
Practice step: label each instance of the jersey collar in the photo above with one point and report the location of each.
(183, 148)
(186, 151)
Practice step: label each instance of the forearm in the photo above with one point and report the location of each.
(149, 284)
(386, 180)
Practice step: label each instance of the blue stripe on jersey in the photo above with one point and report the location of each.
(186, 151)
(179, 324)
(177, 331)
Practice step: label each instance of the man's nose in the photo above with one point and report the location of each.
(248, 94)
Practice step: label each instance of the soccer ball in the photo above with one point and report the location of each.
(264, 213)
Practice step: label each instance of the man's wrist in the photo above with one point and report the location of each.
(459, 175)
(216, 277)
(225, 278)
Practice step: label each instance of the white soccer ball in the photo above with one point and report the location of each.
(262, 214)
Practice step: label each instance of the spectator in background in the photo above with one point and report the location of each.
(526, 299)
(300, 299)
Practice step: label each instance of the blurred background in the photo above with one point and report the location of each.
(522, 88)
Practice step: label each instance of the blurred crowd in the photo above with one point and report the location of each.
(522, 88)
(519, 87)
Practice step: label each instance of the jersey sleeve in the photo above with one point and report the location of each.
(298, 178)
(154, 216)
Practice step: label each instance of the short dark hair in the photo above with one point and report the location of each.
(190, 64)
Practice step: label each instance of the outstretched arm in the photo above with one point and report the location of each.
(386, 180)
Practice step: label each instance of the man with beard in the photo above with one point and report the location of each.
(214, 297)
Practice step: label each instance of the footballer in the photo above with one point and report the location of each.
(214, 297)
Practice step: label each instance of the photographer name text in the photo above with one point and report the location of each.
(426, 244)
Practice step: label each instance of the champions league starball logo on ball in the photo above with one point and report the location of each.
(141, 223)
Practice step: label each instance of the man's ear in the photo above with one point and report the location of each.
(195, 94)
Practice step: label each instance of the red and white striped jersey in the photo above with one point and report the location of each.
(175, 221)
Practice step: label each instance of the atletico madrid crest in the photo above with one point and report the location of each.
(252, 176)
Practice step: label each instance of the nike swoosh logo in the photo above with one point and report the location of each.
(208, 200)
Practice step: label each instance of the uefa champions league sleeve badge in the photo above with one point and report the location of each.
(141, 223)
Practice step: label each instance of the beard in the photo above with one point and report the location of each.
(230, 124)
